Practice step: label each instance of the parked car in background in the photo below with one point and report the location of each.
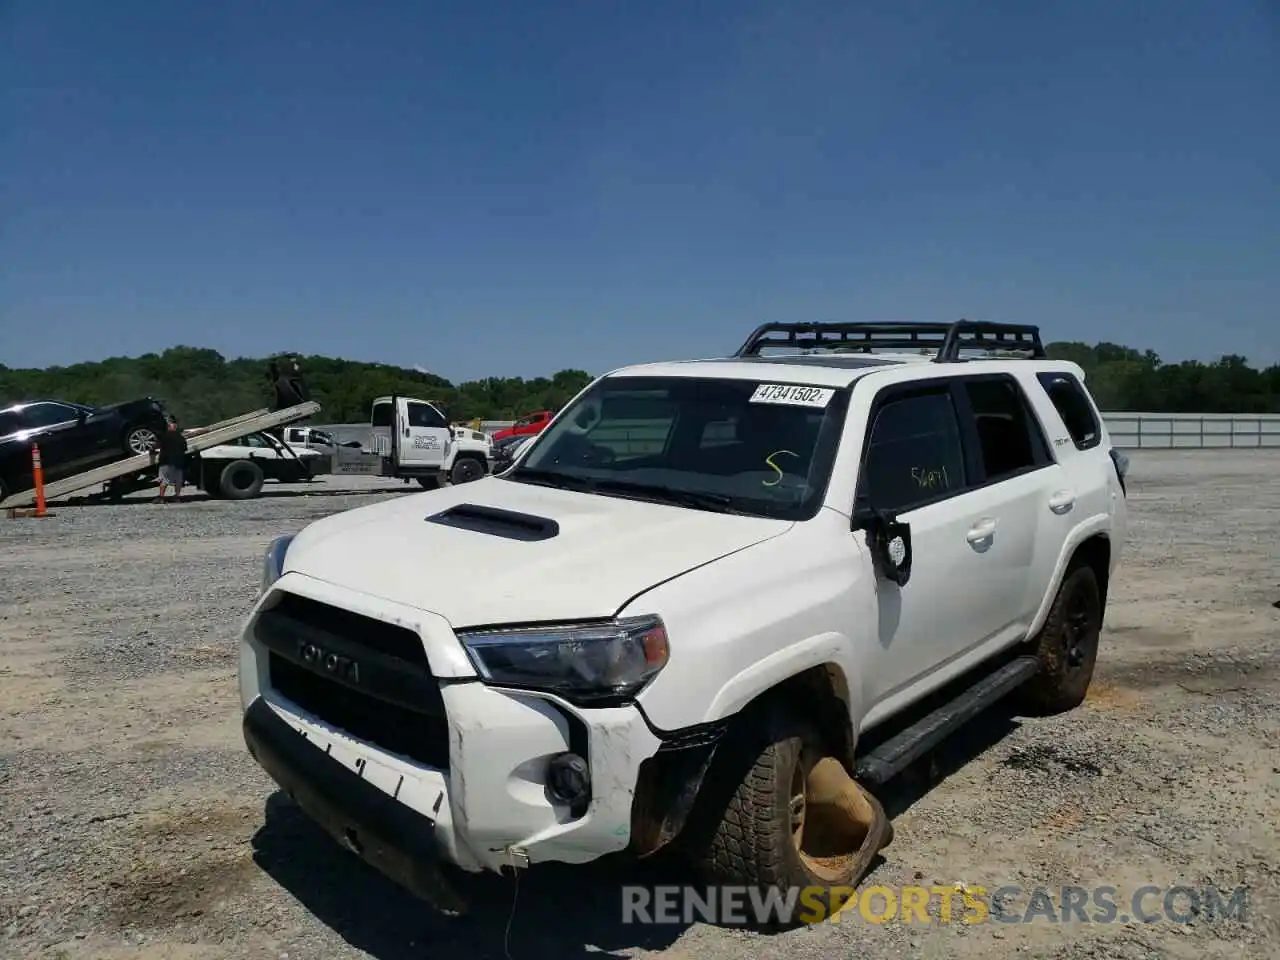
(527, 426)
(73, 437)
(315, 439)
(505, 451)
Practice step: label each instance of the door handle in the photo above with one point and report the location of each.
(982, 530)
(1062, 501)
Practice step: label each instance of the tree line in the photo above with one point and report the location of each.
(201, 386)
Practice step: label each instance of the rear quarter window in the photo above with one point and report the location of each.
(1068, 396)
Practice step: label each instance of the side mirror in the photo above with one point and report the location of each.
(893, 546)
(81, 417)
(890, 542)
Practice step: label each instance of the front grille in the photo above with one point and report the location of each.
(399, 642)
(393, 702)
(396, 729)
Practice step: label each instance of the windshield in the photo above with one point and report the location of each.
(733, 446)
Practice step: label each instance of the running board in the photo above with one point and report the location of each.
(897, 753)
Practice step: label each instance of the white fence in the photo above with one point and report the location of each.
(1194, 431)
(1131, 431)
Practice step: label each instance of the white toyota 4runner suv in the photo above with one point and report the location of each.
(700, 585)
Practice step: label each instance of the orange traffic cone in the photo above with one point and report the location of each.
(37, 475)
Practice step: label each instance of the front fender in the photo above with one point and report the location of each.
(744, 624)
(826, 649)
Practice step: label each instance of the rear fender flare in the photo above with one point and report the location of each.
(1083, 531)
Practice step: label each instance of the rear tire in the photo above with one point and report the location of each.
(429, 483)
(241, 480)
(139, 439)
(466, 469)
(1066, 646)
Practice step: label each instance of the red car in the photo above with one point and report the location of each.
(526, 426)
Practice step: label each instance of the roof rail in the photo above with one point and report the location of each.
(948, 338)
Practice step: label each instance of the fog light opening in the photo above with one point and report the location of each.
(569, 778)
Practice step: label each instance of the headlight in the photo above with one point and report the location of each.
(581, 662)
(273, 561)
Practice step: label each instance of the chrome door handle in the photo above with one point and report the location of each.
(983, 530)
(1062, 501)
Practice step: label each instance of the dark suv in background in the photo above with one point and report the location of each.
(73, 437)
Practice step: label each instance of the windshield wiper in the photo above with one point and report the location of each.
(715, 502)
(551, 478)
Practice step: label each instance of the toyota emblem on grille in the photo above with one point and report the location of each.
(320, 659)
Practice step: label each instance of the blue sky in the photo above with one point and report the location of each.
(485, 188)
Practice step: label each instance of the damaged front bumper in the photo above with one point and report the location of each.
(397, 841)
(421, 769)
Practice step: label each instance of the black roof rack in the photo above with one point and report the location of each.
(948, 338)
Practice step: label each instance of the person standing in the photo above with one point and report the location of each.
(298, 381)
(172, 454)
(288, 388)
(288, 391)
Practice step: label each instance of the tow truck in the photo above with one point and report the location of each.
(139, 472)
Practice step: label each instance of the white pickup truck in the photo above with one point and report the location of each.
(416, 441)
(237, 470)
(707, 585)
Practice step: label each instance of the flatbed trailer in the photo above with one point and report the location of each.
(137, 472)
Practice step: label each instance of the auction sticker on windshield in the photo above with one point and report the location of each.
(793, 395)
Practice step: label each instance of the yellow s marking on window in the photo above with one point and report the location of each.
(777, 469)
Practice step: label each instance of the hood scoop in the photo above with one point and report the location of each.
(497, 522)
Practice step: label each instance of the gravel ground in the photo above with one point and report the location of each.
(137, 825)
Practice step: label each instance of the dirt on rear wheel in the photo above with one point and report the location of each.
(1067, 647)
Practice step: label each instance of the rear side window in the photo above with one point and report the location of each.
(1072, 403)
(47, 415)
(9, 424)
(381, 415)
(1009, 437)
(914, 455)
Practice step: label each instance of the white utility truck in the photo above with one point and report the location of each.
(416, 442)
(711, 590)
(237, 470)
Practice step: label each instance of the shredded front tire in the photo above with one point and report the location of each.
(793, 820)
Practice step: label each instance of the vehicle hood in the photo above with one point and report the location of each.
(606, 552)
